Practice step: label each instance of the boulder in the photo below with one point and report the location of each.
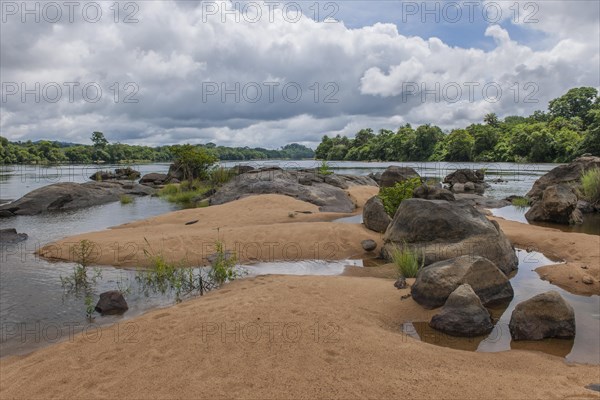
(433, 193)
(111, 302)
(568, 174)
(465, 175)
(119, 174)
(323, 191)
(481, 201)
(439, 230)
(376, 176)
(242, 169)
(11, 236)
(154, 178)
(394, 174)
(69, 196)
(546, 315)
(585, 207)
(558, 204)
(374, 216)
(368, 245)
(435, 282)
(463, 314)
(175, 172)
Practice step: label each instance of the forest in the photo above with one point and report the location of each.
(569, 128)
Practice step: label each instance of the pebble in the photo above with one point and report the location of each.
(587, 280)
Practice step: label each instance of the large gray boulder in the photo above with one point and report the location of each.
(437, 281)
(325, 191)
(394, 174)
(463, 314)
(558, 204)
(154, 178)
(546, 315)
(569, 174)
(374, 216)
(438, 230)
(127, 173)
(69, 196)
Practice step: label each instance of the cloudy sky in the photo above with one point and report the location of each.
(266, 74)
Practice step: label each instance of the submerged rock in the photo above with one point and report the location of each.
(546, 315)
(437, 281)
(374, 216)
(11, 236)
(463, 314)
(439, 230)
(119, 174)
(111, 302)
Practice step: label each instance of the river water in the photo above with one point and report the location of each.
(35, 310)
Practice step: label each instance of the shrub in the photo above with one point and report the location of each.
(220, 175)
(325, 169)
(183, 193)
(406, 261)
(125, 199)
(520, 202)
(171, 188)
(391, 197)
(590, 182)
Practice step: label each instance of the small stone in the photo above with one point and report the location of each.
(570, 276)
(406, 296)
(368, 245)
(191, 222)
(593, 386)
(584, 267)
(587, 280)
(400, 283)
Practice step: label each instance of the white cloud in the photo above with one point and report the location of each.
(349, 78)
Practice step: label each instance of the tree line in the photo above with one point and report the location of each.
(45, 151)
(569, 128)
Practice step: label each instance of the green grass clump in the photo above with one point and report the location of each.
(220, 176)
(125, 199)
(406, 261)
(520, 202)
(325, 169)
(183, 193)
(590, 182)
(393, 196)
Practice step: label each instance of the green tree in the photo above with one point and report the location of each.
(194, 162)
(577, 102)
(99, 140)
(491, 119)
(459, 146)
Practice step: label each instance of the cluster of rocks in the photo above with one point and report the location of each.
(557, 196)
(466, 180)
(10, 236)
(325, 191)
(122, 174)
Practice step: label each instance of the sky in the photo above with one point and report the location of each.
(265, 74)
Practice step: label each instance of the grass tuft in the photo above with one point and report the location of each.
(590, 182)
(406, 261)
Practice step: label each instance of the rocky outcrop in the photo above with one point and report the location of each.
(568, 174)
(394, 174)
(374, 216)
(546, 315)
(325, 191)
(111, 302)
(479, 201)
(155, 179)
(435, 282)
(463, 314)
(558, 204)
(69, 196)
(466, 180)
(10, 236)
(433, 193)
(438, 230)
(119, 174)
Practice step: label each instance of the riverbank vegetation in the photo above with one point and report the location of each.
(569, 128)
(45, 151)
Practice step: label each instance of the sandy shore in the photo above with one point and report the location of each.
(258, 228)
(279, 337)
(289, 336)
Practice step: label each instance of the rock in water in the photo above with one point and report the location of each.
(394, 174)
(546, 315)
(433, 193)
(368, 245)
(438, 230)
(374, 216)
(569, 174)
(111, 302)
(558, 204)
(463, 314)
(11, 236)
(437, 281)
